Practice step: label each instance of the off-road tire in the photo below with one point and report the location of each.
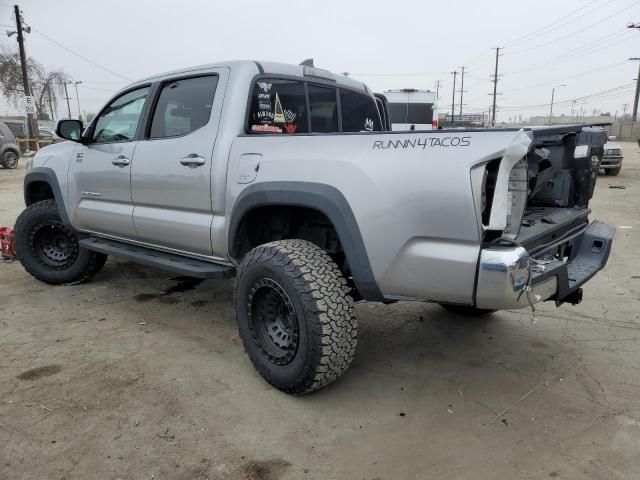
(80, 265)
(612, 171)
(321, 302)
(9, 159)
(467, 311)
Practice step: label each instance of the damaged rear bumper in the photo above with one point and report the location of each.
(506, 272)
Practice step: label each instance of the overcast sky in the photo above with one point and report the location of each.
(388, 44)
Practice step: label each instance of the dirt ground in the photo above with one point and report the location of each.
(138, 376)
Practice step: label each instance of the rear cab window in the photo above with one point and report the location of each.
(359, 112)
(291, 106)
(278, 106)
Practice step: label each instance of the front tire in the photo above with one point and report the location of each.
(49, 250)
(9, 159)
(613, 171)
(295, 315)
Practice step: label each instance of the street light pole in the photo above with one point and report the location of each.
(553, 92)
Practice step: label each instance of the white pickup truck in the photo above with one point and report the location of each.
(288, 177)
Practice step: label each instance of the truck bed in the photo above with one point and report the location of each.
(541, 225)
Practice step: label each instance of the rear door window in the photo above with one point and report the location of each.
(359, 112)
(278, 106)
(183, 106)
(323, 108)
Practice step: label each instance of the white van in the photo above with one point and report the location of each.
(412, 109)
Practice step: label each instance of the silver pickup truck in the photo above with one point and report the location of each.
(288, 178)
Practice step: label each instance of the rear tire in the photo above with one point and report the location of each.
(49, 250)
(9, 159)
(467, 311)
(295, 315)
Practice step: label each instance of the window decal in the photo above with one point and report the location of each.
(278, 116)
(265, 129)
(368, 124)
(289, 116)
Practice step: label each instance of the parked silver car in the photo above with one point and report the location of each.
(9, 150)
(612, 158)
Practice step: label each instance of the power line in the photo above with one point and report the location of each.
(567, 57)
(525, 38)
(532, 87)
(595, 97)
(401, 74)
(80, 56)
(577, 31)
(591, 96)
(586, 50)
(115, 82)
(97, 89)
(609, 36)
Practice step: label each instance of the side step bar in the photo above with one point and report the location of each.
(154, 258)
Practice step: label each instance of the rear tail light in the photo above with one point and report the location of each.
(517, 199)
(434, 124)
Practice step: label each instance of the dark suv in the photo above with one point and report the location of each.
(9, 150)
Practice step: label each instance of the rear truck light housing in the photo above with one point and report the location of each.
(511, 189)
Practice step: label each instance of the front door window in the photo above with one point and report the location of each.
(118, 122)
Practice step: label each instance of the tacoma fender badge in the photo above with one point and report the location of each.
(91, 194)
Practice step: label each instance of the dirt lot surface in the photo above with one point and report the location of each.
(138, 376)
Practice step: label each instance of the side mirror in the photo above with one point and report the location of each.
(70, 130)
(612, 138)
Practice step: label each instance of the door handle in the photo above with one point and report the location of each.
(192, 160)
(121, 161)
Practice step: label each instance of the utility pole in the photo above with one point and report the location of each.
(461, 88)
(78, 99)
(453, 97)
(624, 112)
(634, 115)
(23, 64)
(66, 96)
(437, 104)
(495, 87)
(553, 91)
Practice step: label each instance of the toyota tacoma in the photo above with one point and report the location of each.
(289, 178)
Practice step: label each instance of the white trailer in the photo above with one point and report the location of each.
(412, 109)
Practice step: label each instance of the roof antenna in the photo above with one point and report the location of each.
(307, 63)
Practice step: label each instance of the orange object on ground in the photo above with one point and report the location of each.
(7, 247)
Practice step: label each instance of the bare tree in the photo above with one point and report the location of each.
(46, 86)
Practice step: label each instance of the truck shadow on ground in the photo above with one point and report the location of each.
(408, 341)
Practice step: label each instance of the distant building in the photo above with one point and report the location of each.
(467, 118)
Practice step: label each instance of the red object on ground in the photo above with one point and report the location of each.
(7, 247)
